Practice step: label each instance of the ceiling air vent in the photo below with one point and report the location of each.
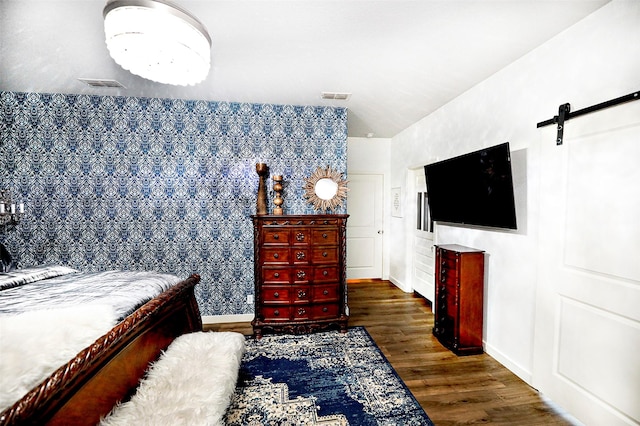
(101, 82)
(335, 95)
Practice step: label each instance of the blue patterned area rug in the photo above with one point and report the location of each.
(327, 379)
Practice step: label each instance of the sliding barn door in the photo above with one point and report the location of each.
(587, 340)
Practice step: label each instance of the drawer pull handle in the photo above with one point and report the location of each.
(276, 294)
(276, 236)
(301, 311)
(277, 275)
(324, 235)
(325, 272)
(276, 312)
(325, 309)
(300, 236)
(301, 274)
(302, 294)
(324, 254)
(276, 255)
(300, 255)
(325, 292)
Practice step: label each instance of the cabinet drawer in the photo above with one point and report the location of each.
(275, 295)
(447, 275)
(300, 255)
(275, 255)
(325, 293)
(325, 236)
(276, 275)
(324, 255)
(301, 312)
(327, 310)
(301, 294)
(448, 262)
(325, 273)
(276, 313)
(275, 236)
(448, 254)
(300, 236)
(301, 275)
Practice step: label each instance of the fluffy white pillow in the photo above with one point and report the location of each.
(190, 384)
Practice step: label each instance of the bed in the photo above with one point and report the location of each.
(87, 387)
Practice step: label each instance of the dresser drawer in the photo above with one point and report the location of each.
(275, 236)
(449, 254)
(448, 262)
(276, 275)
(302, 275)
(271, 255)
(301, 313)
(276, 313)
(326, 310)
(274, 294)
(301, 294)
(325, 236)
(325, 293)
(326, 273)
(300, 255)
(447, 275)
(324, 255)
(300, 236)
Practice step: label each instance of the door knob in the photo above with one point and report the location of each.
(380, 232)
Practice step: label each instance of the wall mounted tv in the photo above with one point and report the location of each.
(473, 189)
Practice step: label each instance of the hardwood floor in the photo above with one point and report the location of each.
(453, 390)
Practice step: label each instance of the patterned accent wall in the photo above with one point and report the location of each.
(156, 184)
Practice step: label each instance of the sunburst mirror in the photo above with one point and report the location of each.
(325, 189)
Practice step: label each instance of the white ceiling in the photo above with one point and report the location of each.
(400, 59)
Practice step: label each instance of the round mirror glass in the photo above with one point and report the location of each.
(326, 188)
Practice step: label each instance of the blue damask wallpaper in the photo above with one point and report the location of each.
(113, 182)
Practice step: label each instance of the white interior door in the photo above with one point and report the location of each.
(364, 226)
(587, 338)
(422, 248)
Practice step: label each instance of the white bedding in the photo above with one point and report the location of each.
(124, 290)
(35, 344)
(48, 314)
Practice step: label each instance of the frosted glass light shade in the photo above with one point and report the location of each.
(158, 41)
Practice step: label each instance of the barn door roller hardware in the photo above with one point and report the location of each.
(564, 112)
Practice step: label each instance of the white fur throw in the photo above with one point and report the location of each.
(190, 384)
(35, 344)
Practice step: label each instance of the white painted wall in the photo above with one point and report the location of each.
(371, 156)
(595, 60)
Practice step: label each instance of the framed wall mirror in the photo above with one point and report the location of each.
(325, 189)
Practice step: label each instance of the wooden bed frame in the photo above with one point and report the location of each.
(87, 387)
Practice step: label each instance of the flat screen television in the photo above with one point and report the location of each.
(473, 189)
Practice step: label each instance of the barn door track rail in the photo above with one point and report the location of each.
(565, 114)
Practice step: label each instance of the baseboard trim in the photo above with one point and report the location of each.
(515, 368)
(398, 283)
(220, 319)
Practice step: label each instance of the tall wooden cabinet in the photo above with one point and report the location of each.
(300, 275)
(459, 298)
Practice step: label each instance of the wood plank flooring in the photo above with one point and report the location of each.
(453, 390)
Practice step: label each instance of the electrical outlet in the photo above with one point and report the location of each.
(249, 299)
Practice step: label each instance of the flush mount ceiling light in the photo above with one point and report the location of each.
(157, 40)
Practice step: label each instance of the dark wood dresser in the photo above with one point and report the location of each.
(300, 275)
(459, 298)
